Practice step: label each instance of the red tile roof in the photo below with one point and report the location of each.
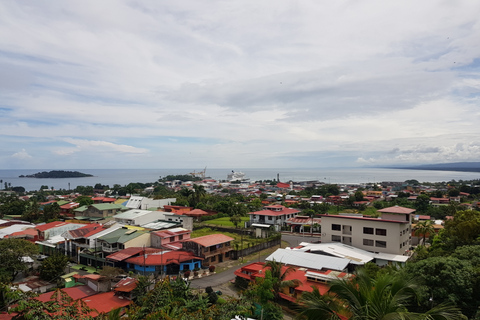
(362, 218)
(130, 252)
(167, 257)
(70, 205)
(126, 285)
(75, 293)
(283, 185)
(211, 240)
(397, 209)
(304, 219)
(51, 225)
(196, 213)
(105, 302)
(86, 231)
(170, 233)
(275, 213)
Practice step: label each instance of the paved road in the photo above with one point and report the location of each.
(295, 239)
(227, 275)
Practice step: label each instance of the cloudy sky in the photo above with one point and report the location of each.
(238, 84)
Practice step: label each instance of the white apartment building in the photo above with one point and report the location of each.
(389, 234)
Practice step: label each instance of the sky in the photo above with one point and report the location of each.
(238, 84)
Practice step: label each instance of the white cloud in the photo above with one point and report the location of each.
(98, 146)
(21, 155)
(244, 82)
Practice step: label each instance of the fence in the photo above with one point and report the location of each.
(259, 247)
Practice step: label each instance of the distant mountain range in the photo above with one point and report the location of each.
(453, 166)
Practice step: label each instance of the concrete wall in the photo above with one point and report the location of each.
(396, 234)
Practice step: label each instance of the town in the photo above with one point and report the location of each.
(235, 249)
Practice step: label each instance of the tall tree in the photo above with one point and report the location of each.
(53, 267)
(279, 277)
(424, 229)
(12, 253)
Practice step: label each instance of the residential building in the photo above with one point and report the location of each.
(97, 211)
(169, 239)
(164, 262)
(214, 248)
(305, 279)
(144, 203)
(389, 234)
(137, 217)
(273, 215)
(123, 238)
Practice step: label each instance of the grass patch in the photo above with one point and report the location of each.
(242, 242)
(225, 221)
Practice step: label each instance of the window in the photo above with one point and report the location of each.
(180, 237)
(291, 290)
(269, 218)
(172, 239)
(253, 216)
(381, 232)
(213, 258)
(367, 230)
(227, 254)
(336, 238)
(380, 244)
(336, 227)
(368, 242)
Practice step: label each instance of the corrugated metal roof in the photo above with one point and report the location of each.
(158, 225)
(132, 214)
(358, 256)
(121, 235)
(308, 260)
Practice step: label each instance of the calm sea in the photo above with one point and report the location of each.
(328, 175)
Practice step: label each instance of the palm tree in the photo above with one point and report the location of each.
(387, 296)
(424, 228)
(198, 193)
(278, 276)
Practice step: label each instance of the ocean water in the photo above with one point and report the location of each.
(327, 175)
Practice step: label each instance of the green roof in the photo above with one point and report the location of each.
(121, 235)
(107, 206)
(81, 209)
(62, 202)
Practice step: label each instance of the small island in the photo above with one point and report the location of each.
(57, 174)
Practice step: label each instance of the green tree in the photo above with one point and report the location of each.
(279, 278)
(386, 296)
(236, 220)
(199, 193)
(359, 196)
(447, 279)
(424, 229)
(53, 267)
(84, 200)
(60, 306)
(463, 229)
(11, 205)
(422, 203)
(51, 212)
(32, 211)
(12, 252)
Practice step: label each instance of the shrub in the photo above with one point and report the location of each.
(187, 273)
(211, 268)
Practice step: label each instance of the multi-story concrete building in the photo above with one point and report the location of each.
(273, 215)
(389, 234)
